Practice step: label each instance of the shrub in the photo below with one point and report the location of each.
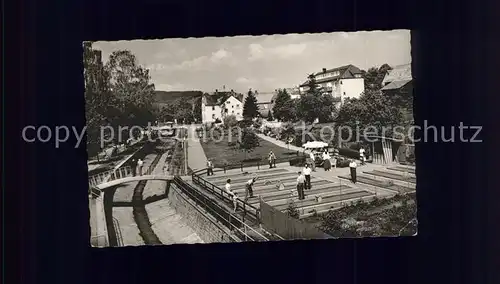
(350, 153)
(292, 210)
(298, 162)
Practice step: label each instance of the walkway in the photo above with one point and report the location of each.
(196, 155)
(281, 143)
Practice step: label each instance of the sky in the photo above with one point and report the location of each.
(262, 63)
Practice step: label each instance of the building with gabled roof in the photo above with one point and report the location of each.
(341, 82)
(218, 105)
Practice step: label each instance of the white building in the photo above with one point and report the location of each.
(341, 82)
(214, 109)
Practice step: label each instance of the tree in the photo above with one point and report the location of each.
(373, 109)
(250, 108)
(248, 141)
(197, 109)
(98, 98)
(270, 116)
(283, 106)
(133, 92)
(314, 104)
(374, 76)
(230, 121)
(288, 133)
(292, 210)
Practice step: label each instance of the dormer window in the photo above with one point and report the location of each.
(228, 102)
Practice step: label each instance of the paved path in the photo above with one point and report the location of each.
(196, 155)
(281, 143)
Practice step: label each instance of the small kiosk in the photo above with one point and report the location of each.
(385, 150)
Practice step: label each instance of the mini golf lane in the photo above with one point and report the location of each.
(325, 200)
(395, 176)
(285, 195)
(363, 179)
(260, 179)
(221, 175)
(402, 169)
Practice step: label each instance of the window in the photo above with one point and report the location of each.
(344, 93)
(237, 113)
(237, 106)
(340, 82)
(228, 102)
(232, 106)
(213, 108)
(213, 115)
(226, 110)
(233, 111)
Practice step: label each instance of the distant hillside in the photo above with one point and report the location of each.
(163, 97)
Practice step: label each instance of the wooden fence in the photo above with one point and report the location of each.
(287, 227)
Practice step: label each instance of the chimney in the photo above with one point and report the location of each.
(324, 70)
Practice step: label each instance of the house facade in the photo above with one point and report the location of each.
(213, 108)
(398, 83)
(341, 82)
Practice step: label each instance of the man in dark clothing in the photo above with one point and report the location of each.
(300, 186)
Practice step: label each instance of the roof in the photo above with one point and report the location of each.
(347, 71)
(398, 73)
(170, 96)
(395, 85)
(213, 99)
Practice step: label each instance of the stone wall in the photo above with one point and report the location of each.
(206, 226)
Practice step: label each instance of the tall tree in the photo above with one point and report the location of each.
(248, 141)
(98, 98)
(281, 108)
(372, 109)
(131, 86)
(250, 108)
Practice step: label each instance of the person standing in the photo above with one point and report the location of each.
(210, 168)
(307, 175)
(312, 158)
(235, 201)
(140, 163)
(134, 168)
(272, 160)
(326, 161)
(362, 155)
(300, 185)
(352, 167)
(249, 189)
(335, 157)
(228, 187)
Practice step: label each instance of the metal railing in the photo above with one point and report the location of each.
(247, 208)
(232, 221)
(119, 173)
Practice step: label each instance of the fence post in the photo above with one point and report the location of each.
(258, 165)
(241, 166)
(224, 168)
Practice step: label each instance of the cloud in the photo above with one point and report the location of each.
(257, 51)
(201, 63)
(219, 55)
(244, 80)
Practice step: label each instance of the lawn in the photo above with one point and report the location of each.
(221, 153)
